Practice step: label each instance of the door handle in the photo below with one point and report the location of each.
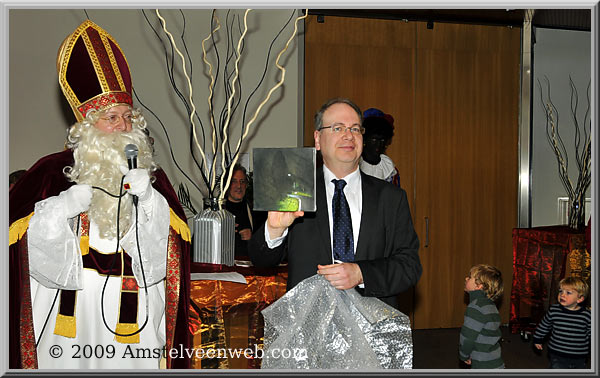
(426, 232)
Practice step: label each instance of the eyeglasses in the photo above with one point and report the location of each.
(341, 129)
(114, 119)
(241, 182)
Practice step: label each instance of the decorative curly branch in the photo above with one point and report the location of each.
(183, 193)
(583, 154)
(279, 83)
(220, 125)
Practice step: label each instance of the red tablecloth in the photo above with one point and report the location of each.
(540, 261)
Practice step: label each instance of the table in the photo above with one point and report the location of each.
(542, 256)
(226, 315)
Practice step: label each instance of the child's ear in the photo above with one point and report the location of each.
(580, 299)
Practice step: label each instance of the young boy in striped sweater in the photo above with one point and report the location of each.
(480, 334)
(569, 325)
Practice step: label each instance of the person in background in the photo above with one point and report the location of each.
(361, 235)
(238, 205)
(479, 344)
(379, 130)
(14, 177)
(98, 251)
(569, 325)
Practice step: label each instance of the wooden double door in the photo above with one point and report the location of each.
(454, 94)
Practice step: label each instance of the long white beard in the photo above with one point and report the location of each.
(98, 156)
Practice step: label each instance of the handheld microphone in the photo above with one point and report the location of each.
(131, 153)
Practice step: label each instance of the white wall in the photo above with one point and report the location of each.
(557, 54)
(40, 116)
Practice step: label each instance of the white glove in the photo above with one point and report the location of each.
(137, 183)
(76, 199)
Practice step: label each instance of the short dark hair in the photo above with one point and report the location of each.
(15, 176)
(238, 167)
(318, 120)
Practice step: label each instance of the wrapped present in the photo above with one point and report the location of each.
(316, 326)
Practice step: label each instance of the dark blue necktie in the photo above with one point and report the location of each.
(343, 240)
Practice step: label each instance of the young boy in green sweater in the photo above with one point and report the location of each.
(480, 334)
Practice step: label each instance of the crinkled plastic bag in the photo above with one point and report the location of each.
(316, 326)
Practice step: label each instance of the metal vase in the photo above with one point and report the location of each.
(214, 236)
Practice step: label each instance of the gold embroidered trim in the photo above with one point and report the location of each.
(84, 244)
(64, 55)
(113, 62)
(65, 326)
(84, 231)
(180, 227)
(172, 284)
(27, 336)
(18, 229)
(94, 58)
(127, 328)
(105, 101)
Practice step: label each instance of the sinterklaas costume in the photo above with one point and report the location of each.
(55, 257)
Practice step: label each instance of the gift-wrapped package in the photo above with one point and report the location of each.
(316, 326)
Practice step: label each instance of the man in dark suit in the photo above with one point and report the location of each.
(383, 245)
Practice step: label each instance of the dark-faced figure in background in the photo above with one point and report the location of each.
(238, 205)
(384, 247)
(379, 130)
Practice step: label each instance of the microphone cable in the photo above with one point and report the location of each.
(57, 290)
(121, 194)
(54, 301)
(47, 318)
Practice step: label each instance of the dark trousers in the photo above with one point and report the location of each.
(561, 362)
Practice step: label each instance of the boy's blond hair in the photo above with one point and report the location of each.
(577, 284)
(490, 278)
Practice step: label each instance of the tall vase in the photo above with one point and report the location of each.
(577, 213)
(214, 235)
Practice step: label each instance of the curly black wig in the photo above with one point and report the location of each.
(379, 126)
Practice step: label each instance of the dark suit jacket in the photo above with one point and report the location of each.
(387, 249)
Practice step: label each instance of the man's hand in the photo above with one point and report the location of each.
(245, 234)
(341, 276)
(278, 221)
(468, 362)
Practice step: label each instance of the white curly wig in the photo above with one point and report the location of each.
(97, 156)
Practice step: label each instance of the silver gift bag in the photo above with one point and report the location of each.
(316, 326)
(214, 237)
